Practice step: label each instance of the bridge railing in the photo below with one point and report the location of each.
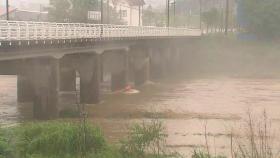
(23, 30)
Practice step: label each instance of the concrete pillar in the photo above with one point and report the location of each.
(45, 82)
(89, 71)
(120, 78)
(157, 63)
(141, 66)
(25, 90)
(115, 65)
(67, 79)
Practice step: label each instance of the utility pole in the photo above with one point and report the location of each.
(108, 11)
(174, 13)
(167, 10)
(200, 14)
(102, 12)
(139, 18)
(227, 17)
(7, 9)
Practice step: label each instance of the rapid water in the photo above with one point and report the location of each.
(186, 107)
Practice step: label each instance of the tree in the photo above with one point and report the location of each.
(59, 10)
(262, 17)
(211, 18)
(152, 17)
(77, 11)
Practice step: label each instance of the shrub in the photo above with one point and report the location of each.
(146, 140)
(257, 141)
(56, 139)
(5, 148)
(201, 154)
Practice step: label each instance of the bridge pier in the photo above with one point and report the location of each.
(140, 65)
(115, 65)
(89, 70)
(67, 79)
(157, 63)
(45, 83)
(25, 89)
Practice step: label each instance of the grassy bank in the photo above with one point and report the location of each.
(145, 140)
(73, 140)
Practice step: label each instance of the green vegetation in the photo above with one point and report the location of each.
(56, 139)
(201, 154)
(71, 140)
(77, 11)
(153, 17)
(52, 140)
(211, 18)
(263, 17)
(146, 140)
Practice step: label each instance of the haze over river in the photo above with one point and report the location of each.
(185, 106)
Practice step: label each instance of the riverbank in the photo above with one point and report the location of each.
(57, 139)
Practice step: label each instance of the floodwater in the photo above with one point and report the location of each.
(185, 106)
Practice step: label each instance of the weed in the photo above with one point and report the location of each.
(146, 140)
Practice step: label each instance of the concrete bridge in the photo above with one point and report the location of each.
(48, 58)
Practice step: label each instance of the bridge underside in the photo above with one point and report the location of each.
(44, 69)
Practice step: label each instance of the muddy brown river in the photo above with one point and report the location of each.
(185, 106)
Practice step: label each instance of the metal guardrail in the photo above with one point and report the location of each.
(28, 30)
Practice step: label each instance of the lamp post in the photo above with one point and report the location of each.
(7, 9)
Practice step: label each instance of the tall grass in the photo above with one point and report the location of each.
(50, 140)
(68, 140)
(257, 141)
(146, 140)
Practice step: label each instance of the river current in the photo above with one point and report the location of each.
(185, 106)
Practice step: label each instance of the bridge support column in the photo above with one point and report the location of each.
(67, 79)
(120, 78)
(45, 82)
(116, 68)
(25, 90)
(157, 63)
(89, 70)
(141, 66)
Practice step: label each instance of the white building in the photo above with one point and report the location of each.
(130, 11)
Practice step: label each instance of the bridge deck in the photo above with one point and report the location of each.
(32, 31)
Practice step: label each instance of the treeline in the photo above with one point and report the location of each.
(77, 11)
(262, 18)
